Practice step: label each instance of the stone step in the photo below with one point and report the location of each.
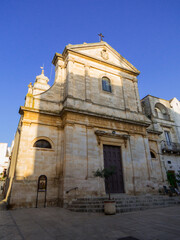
(127, 198)
(84, 205)
(119, 200)
(123, 204)
(126, 202)
(118, 210)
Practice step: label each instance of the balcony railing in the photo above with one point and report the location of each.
(170, 147)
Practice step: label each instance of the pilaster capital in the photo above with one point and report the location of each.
(70, 60)
(61, 66)
(135, 80)
(86, 66)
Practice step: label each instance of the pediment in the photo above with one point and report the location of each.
(103, 52)
(174, 102)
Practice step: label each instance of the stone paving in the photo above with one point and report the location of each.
(58, 223)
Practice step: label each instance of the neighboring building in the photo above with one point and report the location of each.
(175, 108)
(90, 118)
(165, 117)
(4, 157)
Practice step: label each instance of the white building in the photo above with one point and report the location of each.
(4, 157)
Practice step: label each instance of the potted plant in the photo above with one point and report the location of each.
(171, 178)
(106, 173)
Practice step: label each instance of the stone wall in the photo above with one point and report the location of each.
(70, 116)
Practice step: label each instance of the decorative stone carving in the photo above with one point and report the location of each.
(104, 54)
(41, 84)
(100, 134)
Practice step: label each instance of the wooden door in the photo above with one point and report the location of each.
(112, 157)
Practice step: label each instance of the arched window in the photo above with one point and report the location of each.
(152, 154)
(106, 84)
(161, 111)
(41, 143)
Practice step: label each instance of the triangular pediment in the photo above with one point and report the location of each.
(104, 52)
(174, 100)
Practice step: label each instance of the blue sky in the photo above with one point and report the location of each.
(146, 33)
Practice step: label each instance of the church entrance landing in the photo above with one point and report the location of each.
(112, 157)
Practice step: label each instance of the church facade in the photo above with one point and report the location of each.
(90, 118)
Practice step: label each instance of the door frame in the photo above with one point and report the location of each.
(113, 142)
(120, 159)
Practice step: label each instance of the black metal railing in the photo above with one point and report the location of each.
(170, 147)
(75, 188)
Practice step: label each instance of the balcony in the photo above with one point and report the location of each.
(170, 147)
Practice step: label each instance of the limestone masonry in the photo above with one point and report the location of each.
(90, 118)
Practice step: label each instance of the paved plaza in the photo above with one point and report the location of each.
(58, 223)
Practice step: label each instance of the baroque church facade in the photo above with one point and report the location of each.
(90, 118)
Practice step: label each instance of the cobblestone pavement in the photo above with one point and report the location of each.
(58, 223)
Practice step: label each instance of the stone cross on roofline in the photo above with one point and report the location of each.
(101, 36)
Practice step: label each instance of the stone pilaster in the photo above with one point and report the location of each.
(148, 158)
(70, 79)
(124, 92)
(87, 84)
(58, 73)
(139, 108)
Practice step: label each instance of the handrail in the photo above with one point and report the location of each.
(71, 189)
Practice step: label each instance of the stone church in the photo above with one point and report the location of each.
(90, 118)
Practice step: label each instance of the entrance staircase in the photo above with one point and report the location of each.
(124, 203)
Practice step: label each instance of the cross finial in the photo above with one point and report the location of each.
(101, 36)
(42, 69)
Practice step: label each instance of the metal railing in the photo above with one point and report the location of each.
(75, 188)
(170, 147)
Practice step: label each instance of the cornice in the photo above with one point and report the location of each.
(88, 113)
(27, 109)
(70, 49)
(154, 131)
(100, 134)
(98, 45)
(102, 116)
(56, 57)
(107, 64)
